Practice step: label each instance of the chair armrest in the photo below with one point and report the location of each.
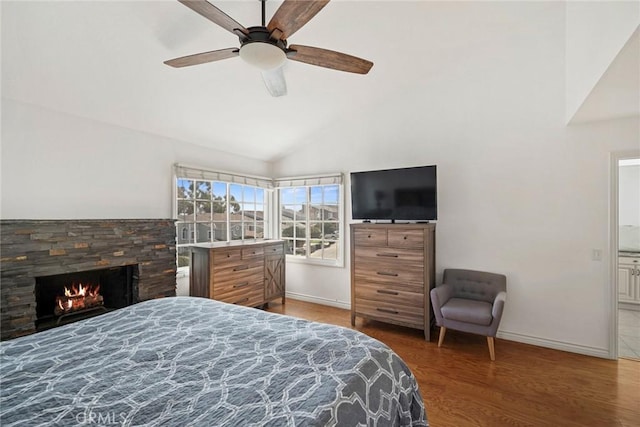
(440, 295)
(498, 305)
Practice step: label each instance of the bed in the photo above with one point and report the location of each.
(192, 361)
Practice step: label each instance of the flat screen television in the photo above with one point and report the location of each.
(406, 194)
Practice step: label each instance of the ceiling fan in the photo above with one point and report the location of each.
(266, 46)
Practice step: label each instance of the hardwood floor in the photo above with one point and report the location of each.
(525, 386)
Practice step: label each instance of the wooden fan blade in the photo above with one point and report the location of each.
(204, 57)
(214, 15)
(275, 82)
(329, 59)
(293, 14)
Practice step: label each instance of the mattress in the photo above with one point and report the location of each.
(191, 361)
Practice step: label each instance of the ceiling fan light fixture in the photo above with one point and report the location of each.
(265, 56)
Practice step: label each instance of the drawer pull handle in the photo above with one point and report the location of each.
(405, 237)
(241, 301)
(242, 267)
(239, 285)
(385, 273)
(382, 291)
(388, 255)
(384, 310)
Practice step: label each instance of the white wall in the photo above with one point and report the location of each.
(57, 166)
(519, 193)
(596, 31)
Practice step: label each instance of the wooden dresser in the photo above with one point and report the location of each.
(243, 273)
(392, 272)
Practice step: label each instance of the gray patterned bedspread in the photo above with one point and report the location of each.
(190, 361)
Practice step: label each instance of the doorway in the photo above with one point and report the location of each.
(625, 254)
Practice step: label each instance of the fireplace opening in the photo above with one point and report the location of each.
(66, 298)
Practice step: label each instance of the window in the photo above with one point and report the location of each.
(214, 206)
(311, 218)
(211, 207)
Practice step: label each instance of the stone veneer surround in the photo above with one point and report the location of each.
(34, 248)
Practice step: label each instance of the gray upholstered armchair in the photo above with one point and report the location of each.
(470, 301)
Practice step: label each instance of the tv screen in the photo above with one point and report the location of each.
(406, 194)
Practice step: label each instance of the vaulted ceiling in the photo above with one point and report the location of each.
(104, 61)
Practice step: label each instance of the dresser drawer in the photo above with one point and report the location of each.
(252, 252)
(400, 296)
(236, 263)
(226, 257)
(241, 271)
(390, 312)
(274, 249)
(400, 256)
(237, 284)
(371, 237)
(389, 273)
(405, 238)
(250, 296)
(402, 279)
(629, 261)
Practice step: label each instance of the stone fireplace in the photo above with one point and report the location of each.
(103, 264)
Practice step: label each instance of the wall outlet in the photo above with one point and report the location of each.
(596, 254)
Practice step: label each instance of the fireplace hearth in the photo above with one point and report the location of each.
(35, 249)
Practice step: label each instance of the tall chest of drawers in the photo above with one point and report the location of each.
(392, 272)
(243, 273)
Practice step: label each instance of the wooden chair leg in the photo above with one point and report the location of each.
(443, 331)
(492, 350)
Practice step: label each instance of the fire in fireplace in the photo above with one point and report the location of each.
(77, 298)
(65, 298)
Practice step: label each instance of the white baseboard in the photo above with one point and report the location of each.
(556, 345)
(318, 300)
(509, 336)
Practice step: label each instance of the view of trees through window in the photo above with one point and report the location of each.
(310, 221)
(211, 211)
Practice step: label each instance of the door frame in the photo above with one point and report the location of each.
(614, 159)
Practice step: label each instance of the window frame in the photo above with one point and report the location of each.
(196, 174)
(308, 183)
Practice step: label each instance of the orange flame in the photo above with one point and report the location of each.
(77, 298)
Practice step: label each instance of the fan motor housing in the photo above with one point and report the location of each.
(261, 35)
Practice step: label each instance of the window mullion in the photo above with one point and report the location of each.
(228, 212)
(322, 219)
(307, 231)
(211, 234)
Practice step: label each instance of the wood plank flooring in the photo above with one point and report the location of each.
(525, 386)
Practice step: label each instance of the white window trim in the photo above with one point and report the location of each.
(198, 173)
(272, 211)
(309, 181)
